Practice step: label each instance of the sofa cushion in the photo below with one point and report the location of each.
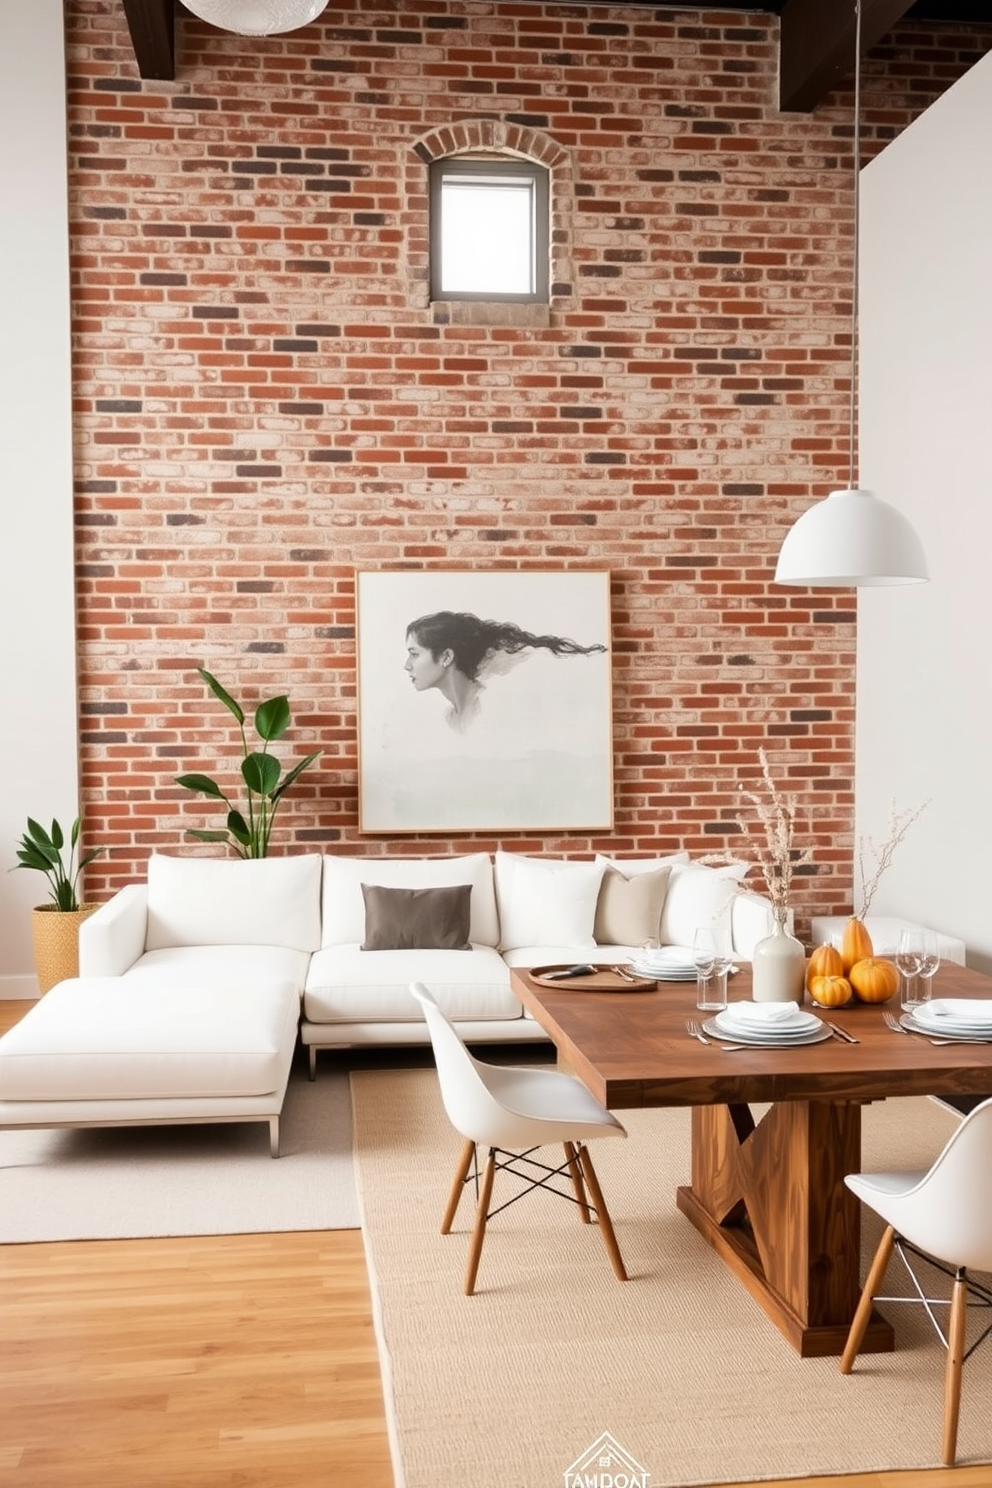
(221, 965)
(344, 905)
(417, 919)
(546, 899)
(631, 867)
(100, 1038)
(349, 985)
(628, 910)
(700, 896)
(233, 901)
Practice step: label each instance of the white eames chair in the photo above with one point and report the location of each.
(511, 1112)
(944, 1215)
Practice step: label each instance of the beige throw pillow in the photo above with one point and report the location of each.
(417, 919)
(628, 911)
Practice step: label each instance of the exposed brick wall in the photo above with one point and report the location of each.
(265, 403)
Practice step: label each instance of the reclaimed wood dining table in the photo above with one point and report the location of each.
(767, 1187)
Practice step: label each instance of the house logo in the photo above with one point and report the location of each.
(606, 1464)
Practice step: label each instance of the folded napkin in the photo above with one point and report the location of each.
(977, 1012)
(781, 1015)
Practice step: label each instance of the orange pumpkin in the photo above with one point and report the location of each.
(825, 961)
(855, 944)
(874, 979)
(830, 991)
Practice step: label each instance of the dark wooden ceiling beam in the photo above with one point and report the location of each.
(816, 50)
(153, 36)
(817, 36)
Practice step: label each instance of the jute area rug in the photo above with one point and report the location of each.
(678, 1365)
(138, 1182)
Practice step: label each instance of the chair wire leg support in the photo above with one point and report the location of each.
(964, 1290)
(977, 1295)
(578, 1167)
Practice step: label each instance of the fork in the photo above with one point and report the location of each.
(891, 1021)
(693, 1029)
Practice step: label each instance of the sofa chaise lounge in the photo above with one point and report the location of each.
(193, 984)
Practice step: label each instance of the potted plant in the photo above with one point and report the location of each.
(55, 926)
(248, 831)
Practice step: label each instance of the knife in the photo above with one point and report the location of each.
(841, 1033)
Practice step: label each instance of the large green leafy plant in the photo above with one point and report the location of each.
(249, 831)
(42, 851)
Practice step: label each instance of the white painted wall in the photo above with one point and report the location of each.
(38, 745)
(924, 698)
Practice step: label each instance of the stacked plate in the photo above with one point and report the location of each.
(665, 964)
(769, 1025)
(953, 1017)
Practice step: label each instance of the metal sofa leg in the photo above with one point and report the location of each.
(274, 1136)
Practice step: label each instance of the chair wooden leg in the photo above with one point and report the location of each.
(461, 1173)
(605, 1223)
(481, 1215)
(579, 1188)
(862, 1316)
(955, 1361)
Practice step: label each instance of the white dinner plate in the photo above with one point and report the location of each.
(947, 1028)
(732, 1025)
(663, 974)
(762, 1041)
(936, 1022)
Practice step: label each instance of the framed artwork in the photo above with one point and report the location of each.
(484, 701)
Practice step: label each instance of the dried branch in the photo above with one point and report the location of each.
(772, 839)
(899, 824)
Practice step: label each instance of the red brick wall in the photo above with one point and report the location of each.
(265, 404)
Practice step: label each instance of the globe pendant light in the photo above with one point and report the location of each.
(852, 538)
(257, 17)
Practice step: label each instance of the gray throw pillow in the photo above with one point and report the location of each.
(417, 919)
(628, 911)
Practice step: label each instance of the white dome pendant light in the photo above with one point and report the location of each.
(852, 538)
(257, 17)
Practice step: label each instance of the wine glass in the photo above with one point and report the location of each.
(704, 951)
(711, 970)
(908, 958)
(929, 962)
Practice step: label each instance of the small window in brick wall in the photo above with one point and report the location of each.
(489, 229)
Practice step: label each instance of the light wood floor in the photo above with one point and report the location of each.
(243, 1361)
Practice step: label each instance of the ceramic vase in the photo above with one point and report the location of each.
(778, 966)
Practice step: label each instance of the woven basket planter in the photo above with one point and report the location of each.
(55, 933)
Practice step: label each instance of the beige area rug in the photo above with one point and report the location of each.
(137, 1182)
(678, 1365)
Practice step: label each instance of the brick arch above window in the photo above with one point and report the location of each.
(495, 137)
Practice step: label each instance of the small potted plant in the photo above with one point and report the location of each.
(55, 926)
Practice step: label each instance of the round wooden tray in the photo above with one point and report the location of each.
(602, 979)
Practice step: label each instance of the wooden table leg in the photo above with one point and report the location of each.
(771, 1200)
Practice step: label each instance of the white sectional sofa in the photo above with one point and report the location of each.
(308, 918)
(194, 985)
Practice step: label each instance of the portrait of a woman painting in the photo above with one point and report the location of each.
(484, 701)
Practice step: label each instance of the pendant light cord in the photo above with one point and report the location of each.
(857, 239)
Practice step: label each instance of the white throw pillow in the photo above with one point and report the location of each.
(233, 901)
(344, 903)
(546, 901)
(700, 896)
(631, 867)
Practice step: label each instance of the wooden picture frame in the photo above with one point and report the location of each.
(495, 711)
